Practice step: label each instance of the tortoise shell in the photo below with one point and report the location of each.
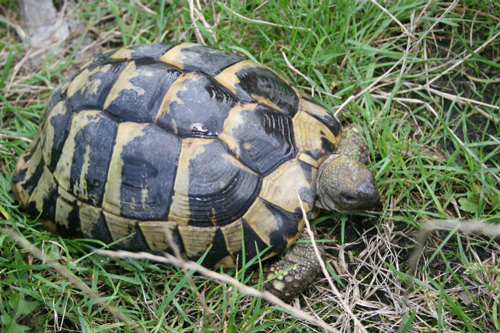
(182, 143)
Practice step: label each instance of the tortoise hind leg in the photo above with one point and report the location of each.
(300, 266)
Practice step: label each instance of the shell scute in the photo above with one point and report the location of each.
(91, 158)
(253, 83)
(93, 224)
(212, 187)
(53, 132)
(127, 231)
(89, 89)
(199, 114)
(83, 161)
(314, 109)
(140, 182)
(313, 138)
(43, 198)
(199, 58)
(261, 137)
(29, 170)
(139, 91)
(284, 185)
(140, 52)
(162, 236)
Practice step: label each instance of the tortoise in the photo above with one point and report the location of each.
(182, 146)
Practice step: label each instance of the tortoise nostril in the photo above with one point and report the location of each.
(348, 197)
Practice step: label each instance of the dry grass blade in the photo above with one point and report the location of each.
(463, 99)
(72, 277)
(470, 152)
(260, 21)
(299, 73)
(409, 34)
(470, 226)
(466, 227)
(458, 63)
(197, 32)
(434, 112)
(16, 27)
(325, 272)
(189, 265)
(407, 53)
(8, 136)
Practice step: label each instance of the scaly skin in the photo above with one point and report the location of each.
(352, 145)
(300, 266)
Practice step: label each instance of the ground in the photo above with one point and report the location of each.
(420, 80)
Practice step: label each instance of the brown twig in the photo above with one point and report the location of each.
(190, 265)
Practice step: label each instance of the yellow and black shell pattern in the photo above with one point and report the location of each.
(183, 145)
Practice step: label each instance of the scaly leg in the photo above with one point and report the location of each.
(301, 268)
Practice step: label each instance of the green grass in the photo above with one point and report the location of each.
(435, 152)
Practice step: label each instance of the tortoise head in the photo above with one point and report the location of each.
(345, 184)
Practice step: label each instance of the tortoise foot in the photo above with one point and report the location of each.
(293, 272)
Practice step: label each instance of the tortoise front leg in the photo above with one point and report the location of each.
(353, 145)
(300, 266)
